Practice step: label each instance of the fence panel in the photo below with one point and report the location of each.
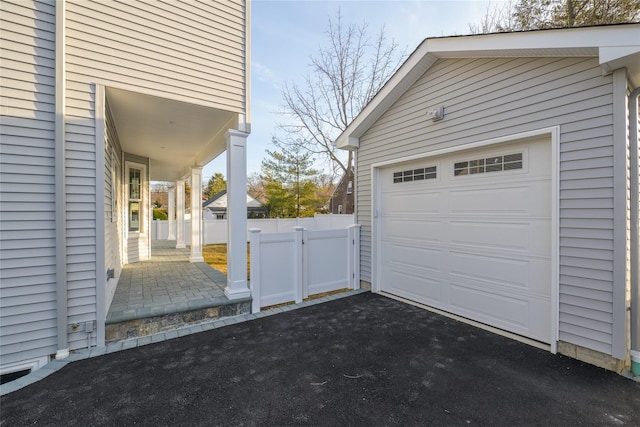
(159, 229)
(275, 272)
(291, 266)
(214, 231)
(326, 261)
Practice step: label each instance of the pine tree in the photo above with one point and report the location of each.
(290, 185)
(216, 184)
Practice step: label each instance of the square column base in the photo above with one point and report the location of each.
(196, 259)
(237, 290)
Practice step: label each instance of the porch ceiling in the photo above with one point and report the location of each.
(174, 135)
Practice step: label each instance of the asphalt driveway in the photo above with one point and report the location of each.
(362, 360)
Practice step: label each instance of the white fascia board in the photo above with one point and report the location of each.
(566, 42)
(611, 40)
(408, 73)
(616, 57)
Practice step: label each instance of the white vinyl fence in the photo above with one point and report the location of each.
(293, 265)
(215, 230)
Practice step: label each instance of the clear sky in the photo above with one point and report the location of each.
(286, 33)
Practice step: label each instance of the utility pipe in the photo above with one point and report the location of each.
(60, 171)
(635, 225)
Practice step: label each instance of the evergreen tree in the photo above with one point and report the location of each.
(216, 184)
(289, 181)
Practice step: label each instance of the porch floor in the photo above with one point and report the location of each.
(167, 292)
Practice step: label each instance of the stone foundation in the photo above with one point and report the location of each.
(592, 357)
(153, 325)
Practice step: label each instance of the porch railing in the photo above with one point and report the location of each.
(294, 265)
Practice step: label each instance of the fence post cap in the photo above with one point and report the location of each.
(298, 227)
(254, 230)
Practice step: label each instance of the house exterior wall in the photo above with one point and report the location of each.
(342, 196)
(166, 50)
(192, 51)
(113, 205)
(491, 98)
(28, 247)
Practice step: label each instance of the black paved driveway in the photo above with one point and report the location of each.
(365, 360)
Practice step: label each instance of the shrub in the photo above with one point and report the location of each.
(159, 214)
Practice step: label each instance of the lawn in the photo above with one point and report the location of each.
(216, 257)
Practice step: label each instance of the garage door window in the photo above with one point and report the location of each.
(488, 164)
(415, 174)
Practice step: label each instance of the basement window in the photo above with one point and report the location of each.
(488, 164)
(415, 175)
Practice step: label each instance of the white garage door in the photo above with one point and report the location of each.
(470, 233)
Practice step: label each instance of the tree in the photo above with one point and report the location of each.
(543, 14)
(289, 181)
(256, 187)
(160, 194)
(343, 78)
(216, 184)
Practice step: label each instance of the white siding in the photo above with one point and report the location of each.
(489, 98)
(188, 50)
(27, 181)
(112, 204)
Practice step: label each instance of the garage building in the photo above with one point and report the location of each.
(496, 181)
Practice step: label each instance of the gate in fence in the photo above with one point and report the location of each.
(294, 265)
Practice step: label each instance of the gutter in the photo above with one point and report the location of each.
(60, 197)
(635, 225)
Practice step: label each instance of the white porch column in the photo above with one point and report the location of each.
(171, 212)
(196, 215)
(180, 217)
(237, 215)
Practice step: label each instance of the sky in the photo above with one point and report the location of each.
(285, 34)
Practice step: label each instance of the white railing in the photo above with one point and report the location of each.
(294, 265)
(215, 230)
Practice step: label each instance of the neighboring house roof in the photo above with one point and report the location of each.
(616, 46)
(219, 202)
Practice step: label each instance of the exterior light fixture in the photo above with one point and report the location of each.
(436, 114)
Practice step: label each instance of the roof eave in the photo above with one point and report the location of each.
(616, 46)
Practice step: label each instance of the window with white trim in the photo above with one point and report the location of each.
(415, 174)
(488, 164)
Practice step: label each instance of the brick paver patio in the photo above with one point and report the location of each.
(168, 283)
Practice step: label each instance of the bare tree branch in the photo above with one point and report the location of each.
(343, 77)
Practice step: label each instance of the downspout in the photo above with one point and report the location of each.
(635, 225)
(60, 201)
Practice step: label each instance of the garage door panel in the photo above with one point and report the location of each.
(496, 309)
(513, 236)
(493, 269)
(417, 287)
(476, 245)
(426, 259)
(526, 316)
(423, 203)
(428, 231)
(496, 201)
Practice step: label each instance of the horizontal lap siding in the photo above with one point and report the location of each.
(27, 181)
(193, 51)
(113, 204)
(189, 50)
(490, 98)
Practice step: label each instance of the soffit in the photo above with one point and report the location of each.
(174, 135)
